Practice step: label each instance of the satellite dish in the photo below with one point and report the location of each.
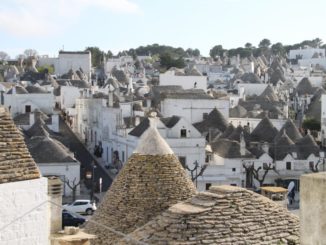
(291, 186)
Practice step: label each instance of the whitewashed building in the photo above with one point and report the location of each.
(193, 79)
(21, 100)
(22, 191)
(67, 60)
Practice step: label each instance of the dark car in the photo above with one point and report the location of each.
(69, 219)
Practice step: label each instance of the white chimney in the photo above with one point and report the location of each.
(242, 145)
(31, 119)
(110, 99)
(137, 120)
(55, 202)
(265, 147)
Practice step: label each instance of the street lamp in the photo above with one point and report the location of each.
(91, 175)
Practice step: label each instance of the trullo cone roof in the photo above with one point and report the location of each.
(151, 181)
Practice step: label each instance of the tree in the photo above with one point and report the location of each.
(167, 61)
(45, 69)
(30, 53)
(73, 186)
(316, 42)
(217, 50)
(97, 56)
(193, 52)
(251, 172)
(248, 45)
(278, 49)
(311, 124)
(4, 56)
(109, 54)
(195, 173)
(265, 43)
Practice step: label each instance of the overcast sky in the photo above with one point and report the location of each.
(50, 25)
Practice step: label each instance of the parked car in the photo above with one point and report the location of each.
(69, 219)
(81, 206)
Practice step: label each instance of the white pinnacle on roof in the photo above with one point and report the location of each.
(152, 143)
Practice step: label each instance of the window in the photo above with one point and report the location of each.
(208, 158)
(208, 185)
(123, 156)
(28, 108)
(182, 160)
(80, 203)
(288, 165)
(183, 133)
(233, 184)
(233, 169)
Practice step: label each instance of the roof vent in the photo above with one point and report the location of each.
(54, 186)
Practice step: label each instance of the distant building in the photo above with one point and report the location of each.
(69, 60)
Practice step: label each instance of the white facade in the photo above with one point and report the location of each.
(323, 119)
(69, 60)
(253, 122)
(187, 82)
(68, 96)
(193, 110)
(21, 103)
(252, 88)
(306, 53)
(68, 171)
(18, 198)
(313, 62)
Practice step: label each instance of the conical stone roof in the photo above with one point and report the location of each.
(264, 131)
(269, 94)
(215, 119)
(151, 181)
(291, 130)
(305, 87)
(222, 215)
(16, 163)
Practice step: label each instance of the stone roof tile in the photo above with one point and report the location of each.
(16, 163)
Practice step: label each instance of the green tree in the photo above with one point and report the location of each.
(248, 45)
(109, 54)
(97, 56)
(167, 61)
(278, 49)
(45, 69)
(265, 43)
(311, 124)
(217, 50)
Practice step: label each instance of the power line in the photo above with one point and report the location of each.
(126, 236)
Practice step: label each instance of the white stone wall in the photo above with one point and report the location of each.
(66, 171)
(68, 96)
(17, 198)
(193, 110)
(312, 209)
(74, 61)
(306, 53)
(187, 82)
(253, 122)
(313, 62)
(252, 88)
(43, 102)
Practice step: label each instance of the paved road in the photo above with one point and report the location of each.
(70, 140)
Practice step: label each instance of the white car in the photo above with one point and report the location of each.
(81, 206)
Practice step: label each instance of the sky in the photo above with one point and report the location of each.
(51, 25)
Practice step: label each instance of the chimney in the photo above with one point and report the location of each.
(55, 202)
(312, 208)
(137, 121)
(55, 123)
(242, 145)
(110, 99)
(265, 147)
(31, 119)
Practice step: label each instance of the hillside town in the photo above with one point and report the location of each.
(187, 149)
